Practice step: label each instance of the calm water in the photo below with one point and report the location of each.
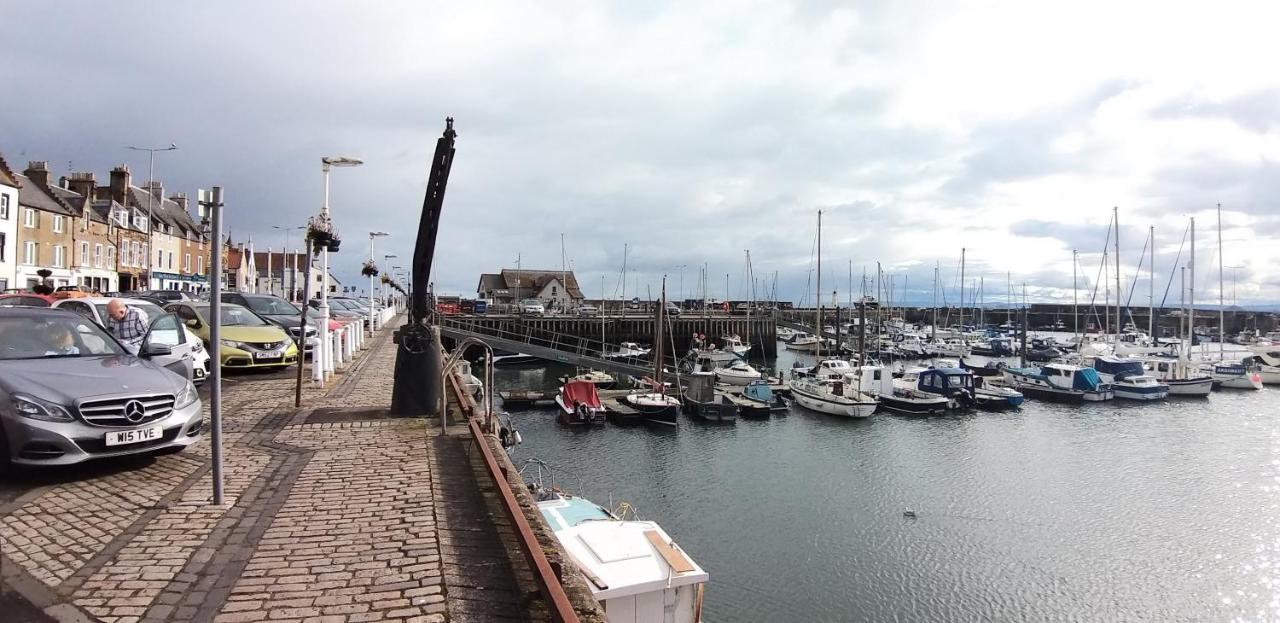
(1118, 511)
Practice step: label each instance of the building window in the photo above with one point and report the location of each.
(59, 252)
(57, 223)
(159, 258)
(2, 244)
(30, 253)
(4, 207)
(30, 219)
(199, 264)
(84, 254)
(111, 257)
(97, 255)
(186, 263)
(171, 260)
(142, 254)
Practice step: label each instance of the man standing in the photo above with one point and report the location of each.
(127, 324)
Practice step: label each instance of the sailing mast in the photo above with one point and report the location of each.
(602, 346)
(961, 323)
(933, 324)
(1222, 323)
(1151, 309)
(658, 345)
(1115, 215)
(1075, 296)
(623, 300)
(1191, 293)
(818, 355)
(751, 300)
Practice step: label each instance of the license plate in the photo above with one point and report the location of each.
(267, 355)
(126, 437)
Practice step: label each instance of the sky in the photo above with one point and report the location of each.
(691, 133)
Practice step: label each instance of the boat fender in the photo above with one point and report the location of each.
(909, 513)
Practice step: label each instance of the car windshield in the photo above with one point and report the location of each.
(234, 316)
(271, 306)
(41, 337)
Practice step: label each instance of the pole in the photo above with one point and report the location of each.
(1151, 307)
(151, 169)
(1222, 319)
(1075, 297)
(302, 327)
(1191, 293)
(818, 291)
(962, 250)
(215, 335)
(1115, 213)
(322, 349)
(372, 282)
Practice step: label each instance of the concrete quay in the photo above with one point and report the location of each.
(334, 513)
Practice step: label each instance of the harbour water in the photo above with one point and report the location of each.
(1117, 511)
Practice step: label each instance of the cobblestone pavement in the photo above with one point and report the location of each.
(333, 513)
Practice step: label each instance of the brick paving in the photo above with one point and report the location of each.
(334, 513)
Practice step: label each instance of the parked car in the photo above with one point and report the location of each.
(339, 312)
(170, 296)
(588, 310)
(70, 292)
(275, 310)
(26, 299)
(188, 345)
(532, 307)
(70, 392)
(248, 341)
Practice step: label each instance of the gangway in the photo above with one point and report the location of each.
(549, 345)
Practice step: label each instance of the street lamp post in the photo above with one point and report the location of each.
(151, 178)
(328, 163)
(386, 261)
(283, 267)
(373, 281)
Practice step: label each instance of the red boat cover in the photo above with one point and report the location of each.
(584, 392)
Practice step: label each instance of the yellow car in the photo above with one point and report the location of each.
(248, 341)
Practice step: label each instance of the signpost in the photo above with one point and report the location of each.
(211, 201)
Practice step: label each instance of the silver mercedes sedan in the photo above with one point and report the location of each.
(69, 392)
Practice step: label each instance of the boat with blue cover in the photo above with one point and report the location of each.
(760, 401)
(1129, 379)
(1061, 382)
(951, 382)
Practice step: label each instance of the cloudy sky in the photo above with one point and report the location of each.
(692, 132)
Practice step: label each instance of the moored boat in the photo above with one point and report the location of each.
(897, 395)
(833, 397)
(1180, 377)
(1233, 376)
(702, 401)
(737, 373)
(760, 400)
(1129, 379)
(1059, 382)
(632, 567)
(579, 403)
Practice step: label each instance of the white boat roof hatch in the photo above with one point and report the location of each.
(619, 553)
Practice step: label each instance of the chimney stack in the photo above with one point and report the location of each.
(157, 190)
(81, 183)
(120, 184)
(38, 171)
(180, 199)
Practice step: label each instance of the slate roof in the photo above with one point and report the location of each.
(164, 210)
(33, 195)
(7, 176)
(490, 282)
(532, 281)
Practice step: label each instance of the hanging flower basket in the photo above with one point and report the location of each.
(369, 270)
(386, 279)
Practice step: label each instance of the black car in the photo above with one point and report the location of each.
(273, 309)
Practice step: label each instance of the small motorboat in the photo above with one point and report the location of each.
(737, 373)
(628, 350)
(759, 400)
(1128, 378)
(897, 395)
(1060, 382)
(785, 333)
(803, 342)
(991, 394)
(1180, 377)
(1233, 375)
(735, 345)
(630, 566)
(992, 368)
(580, 404)
(602, 380)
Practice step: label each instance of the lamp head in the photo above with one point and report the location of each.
(341, 161)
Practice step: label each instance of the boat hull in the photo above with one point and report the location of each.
(831, 407)
(1140, 393)
(716, 411)
(736, 379)
(583, 416)
(1196, 388)
(913, 407)
(667, 414)
(1251, 381)
(804, 347)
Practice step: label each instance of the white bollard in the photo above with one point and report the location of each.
(317, 360)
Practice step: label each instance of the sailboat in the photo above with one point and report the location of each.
(654, 405)
(833, 396)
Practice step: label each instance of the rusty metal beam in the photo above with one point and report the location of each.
(547, 578)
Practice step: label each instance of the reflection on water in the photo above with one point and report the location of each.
(1114, 511)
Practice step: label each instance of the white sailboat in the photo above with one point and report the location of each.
(826, 395)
